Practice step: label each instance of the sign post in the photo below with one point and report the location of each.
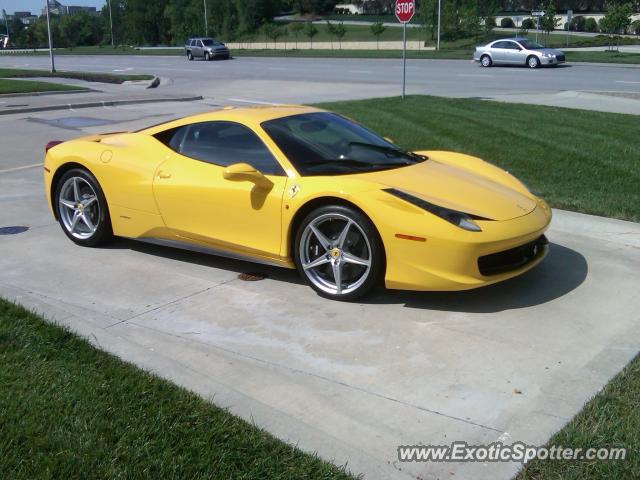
(569, 18)
(405, 9)
(537, 14)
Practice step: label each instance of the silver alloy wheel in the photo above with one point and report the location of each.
(79, 208)
(485, 60)
(533, 62)
(335, 253)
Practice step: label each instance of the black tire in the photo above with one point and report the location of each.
(485, 61)
(207, 57)
(533, 61)
(354, 240)
(190, 55)
(100, 218)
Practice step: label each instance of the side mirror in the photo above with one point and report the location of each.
(243, 172)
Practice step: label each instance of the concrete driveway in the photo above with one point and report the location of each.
(351, 381)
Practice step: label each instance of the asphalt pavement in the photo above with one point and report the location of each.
(308, 80)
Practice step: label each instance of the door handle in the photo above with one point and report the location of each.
(162, 174)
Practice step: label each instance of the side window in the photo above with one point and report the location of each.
(200, 43)
(512, 46)
(499, 45)
(223, 144)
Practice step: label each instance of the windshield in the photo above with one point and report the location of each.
(325, 143)
(529, 45)
(210, 43)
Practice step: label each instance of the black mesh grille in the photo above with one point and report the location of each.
(560, 58)
(511, 259)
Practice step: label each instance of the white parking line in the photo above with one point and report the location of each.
(627, 81)
(17, 169)
(242, 100)
(474, 75)
(364, 72)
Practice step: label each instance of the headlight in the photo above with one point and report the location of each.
(459, 219)
(548, 55)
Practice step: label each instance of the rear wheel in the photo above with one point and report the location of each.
(485, 61)
(533, 62)
(339, 253)
(82, 208)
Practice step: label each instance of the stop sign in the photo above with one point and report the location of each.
(405, 10)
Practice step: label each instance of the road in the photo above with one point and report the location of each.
(306, 80)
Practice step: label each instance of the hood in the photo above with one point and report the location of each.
(455, 188)
(552, 51)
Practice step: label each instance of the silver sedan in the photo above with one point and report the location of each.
(517, 51)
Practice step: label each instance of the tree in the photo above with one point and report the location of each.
(331, 31)
(469, 19)
(339, 31)
(528, 24)
(549, 22)
(378, 29)
(296, 28)
(616, 20)
(310, 31)
(635, 27)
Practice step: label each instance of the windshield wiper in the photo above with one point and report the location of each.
(388, 150)
(357, 163)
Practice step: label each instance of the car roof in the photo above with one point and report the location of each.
(253, 115)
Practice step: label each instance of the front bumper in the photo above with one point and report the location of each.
(557, 60)
(220, 54)
(442, 264)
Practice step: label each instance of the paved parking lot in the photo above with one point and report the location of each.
(352, 381)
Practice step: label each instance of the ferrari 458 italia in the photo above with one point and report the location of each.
(303, 188)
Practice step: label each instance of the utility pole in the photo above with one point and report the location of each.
(206, 24)
(111, 23)
(438, 41)
(53, 65)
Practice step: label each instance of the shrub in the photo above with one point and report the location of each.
(578, 23)
(528, 24)
(590, 25)
(507, 22)
(635, 27)
(490, 23)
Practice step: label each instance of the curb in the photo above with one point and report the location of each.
(42, 94)
(106, 103)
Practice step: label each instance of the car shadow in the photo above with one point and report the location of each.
(561, 272)
(208, 260)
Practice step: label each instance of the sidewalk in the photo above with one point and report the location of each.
(99, 95)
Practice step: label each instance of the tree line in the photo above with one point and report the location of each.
(170, 22)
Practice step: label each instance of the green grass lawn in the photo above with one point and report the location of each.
(86, 76)
(577, 160)
(68, 410)
(29, 86)
(610, 419)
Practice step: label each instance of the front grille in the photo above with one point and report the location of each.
(511, 259)
(560, 58)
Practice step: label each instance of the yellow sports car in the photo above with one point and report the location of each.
(301, 188)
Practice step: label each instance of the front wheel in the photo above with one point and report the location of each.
(190, 56)
(339, 253)
(82, 208)
(533, 62)
(207, 57)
